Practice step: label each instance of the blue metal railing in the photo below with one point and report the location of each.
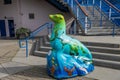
(106, 9)
(23, 43)
(79, 13)
(109, 10)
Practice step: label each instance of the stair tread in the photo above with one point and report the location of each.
(108, 48)
(47, 42)
(41, 52)
(101, 47)
(106, 54)
(92, 42)
(106, 61)
(45, 47)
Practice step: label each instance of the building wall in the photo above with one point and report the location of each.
(40, 8)
(19, 11)
(8, 12)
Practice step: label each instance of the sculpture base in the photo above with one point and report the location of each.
(61, 65)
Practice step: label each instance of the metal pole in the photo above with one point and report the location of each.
(113, 32)
(19, 43)
(26, 48)
(77, 12)
(86, 25)
(48, 27)
(100, 12)
(72, 4)
(68, 1)
(93, 6)
(51, 28)
(74, 27)
(110, 11)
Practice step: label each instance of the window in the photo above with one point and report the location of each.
(31, 16)
(7, 1)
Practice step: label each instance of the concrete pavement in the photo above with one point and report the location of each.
(100, 39)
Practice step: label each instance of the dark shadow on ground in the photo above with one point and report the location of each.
(35, 73)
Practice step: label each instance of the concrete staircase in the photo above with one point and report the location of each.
(104, 54)
(96, 28)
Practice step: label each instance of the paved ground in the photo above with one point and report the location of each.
(37, 73)
(8, 49)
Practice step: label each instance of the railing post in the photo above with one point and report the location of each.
(75, 27)
(82, 1)
(67, 1)
(93, 6)
(100, 12)
(26, 48)
(49, 29)
(19, 43)
(77, 12)
(110, 11)
(113, 32)
(86, 21)
(72, 4)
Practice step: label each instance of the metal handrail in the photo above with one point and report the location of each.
(82, 9)
(112, 6)
(79, 13)
(111, 11)
(33, 34)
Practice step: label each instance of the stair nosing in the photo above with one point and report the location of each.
(108, 48)
(107, 54)
(106, 61)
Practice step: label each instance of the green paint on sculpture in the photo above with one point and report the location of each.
(59, 23)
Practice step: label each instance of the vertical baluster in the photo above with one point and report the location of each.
(100, 12)
(20, 43)
(110, 12)
(48, 28)
(82, 2)
(75, 27)
(77, 12)
(86, 20)
(113, 31)
(51, 27)
(72, 5)
(26, 48)
(68, 1)
(93, 6)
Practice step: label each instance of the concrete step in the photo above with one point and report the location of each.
(92, 49)
(47, 44)
(40, 53)
(100, 30)
(97, 62)
(101, 33)
(45, 48)
(104, 50)
(107, 63)
(106, 56)
(102, 27)
(109, 45)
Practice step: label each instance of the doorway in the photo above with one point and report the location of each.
(2, 28)
(11, 28)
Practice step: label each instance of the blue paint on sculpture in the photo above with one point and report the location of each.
(68, 57)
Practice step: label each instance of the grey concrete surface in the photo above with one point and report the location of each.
(100, 39)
